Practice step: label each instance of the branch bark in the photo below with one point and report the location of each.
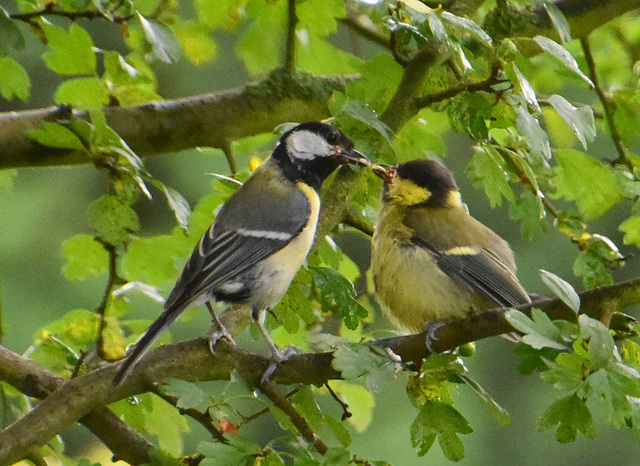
(192, 361)
(37, 382)
(207, 120)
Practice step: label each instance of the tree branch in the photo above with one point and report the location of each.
(193, 361)
(607, 106)
(402, 107)
(172, 125)
(35, 381)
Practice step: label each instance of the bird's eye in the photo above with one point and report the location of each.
(332, 138)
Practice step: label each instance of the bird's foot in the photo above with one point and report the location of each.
(432, 328)
(279, 356)
(217, 333)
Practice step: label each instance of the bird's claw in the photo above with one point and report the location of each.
(432, 328)
(279, 356)
(216, 334)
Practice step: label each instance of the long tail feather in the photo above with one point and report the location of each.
(145, 341)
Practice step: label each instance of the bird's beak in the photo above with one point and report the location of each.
(353, 157)
(386, 172)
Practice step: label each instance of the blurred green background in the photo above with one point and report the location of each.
(48, 205)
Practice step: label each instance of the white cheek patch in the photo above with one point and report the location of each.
(307, 145)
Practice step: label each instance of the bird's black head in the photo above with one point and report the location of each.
(310, 152)
(425, 182)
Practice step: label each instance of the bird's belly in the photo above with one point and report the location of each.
(413, 290)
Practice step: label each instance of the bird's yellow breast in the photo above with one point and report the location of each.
(281, 267)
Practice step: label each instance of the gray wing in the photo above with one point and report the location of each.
(259, 219)
(481, 270)
(470, 253)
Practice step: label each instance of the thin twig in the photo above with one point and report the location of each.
(112, 281)
(204, 419)
(427, 100)
(264, 411)
(357, 223)
(49, 10)
(346, 414)
(231, 161)
(365, 31)
(290, 50)
(271, 391)
(606, 105)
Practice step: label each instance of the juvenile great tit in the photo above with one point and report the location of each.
(261, 235)
(432, 261)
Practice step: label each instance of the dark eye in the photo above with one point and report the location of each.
(332, 138)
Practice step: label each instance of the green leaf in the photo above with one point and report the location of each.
(560, 53)
(362, 112)
(471, 27)
(601, 343)
(528, 93)
(14, 80)
(415, 139)
(167, 424)
(69, 52)
(221, 454)
(485, 169)
(84, 256)
(498, 411)
(527, 210)
(441, 421)
(356, 360)
(540, 331)
(319, 56)
(319, 16)
(177, 203)
(627, 114)
(190, 395)
(537, 137)
(196, 42)
(559, 22)
(151, 260)
(561, 289)
(570, 414)
(260, 46)
(221, 13)
(82, 93)
(631, 229)
(164, 43)
(56, 135)
(586, 181)
(113, 220)
(292, 307)
(360, 401)
(10, 35)
(336, 292)
(580, 119)
(593, 270)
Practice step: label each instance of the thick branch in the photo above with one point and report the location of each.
(206, 120)
(192, 360)
(402, 107)
(583, 17)
(35, 381)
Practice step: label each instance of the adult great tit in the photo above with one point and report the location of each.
(261, 235)
(431, 260)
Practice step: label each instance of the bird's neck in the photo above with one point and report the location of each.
(312, 172)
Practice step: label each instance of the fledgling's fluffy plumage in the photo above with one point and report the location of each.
(431, 260)
(261, 235)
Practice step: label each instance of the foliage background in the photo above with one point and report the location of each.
(45, 206)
